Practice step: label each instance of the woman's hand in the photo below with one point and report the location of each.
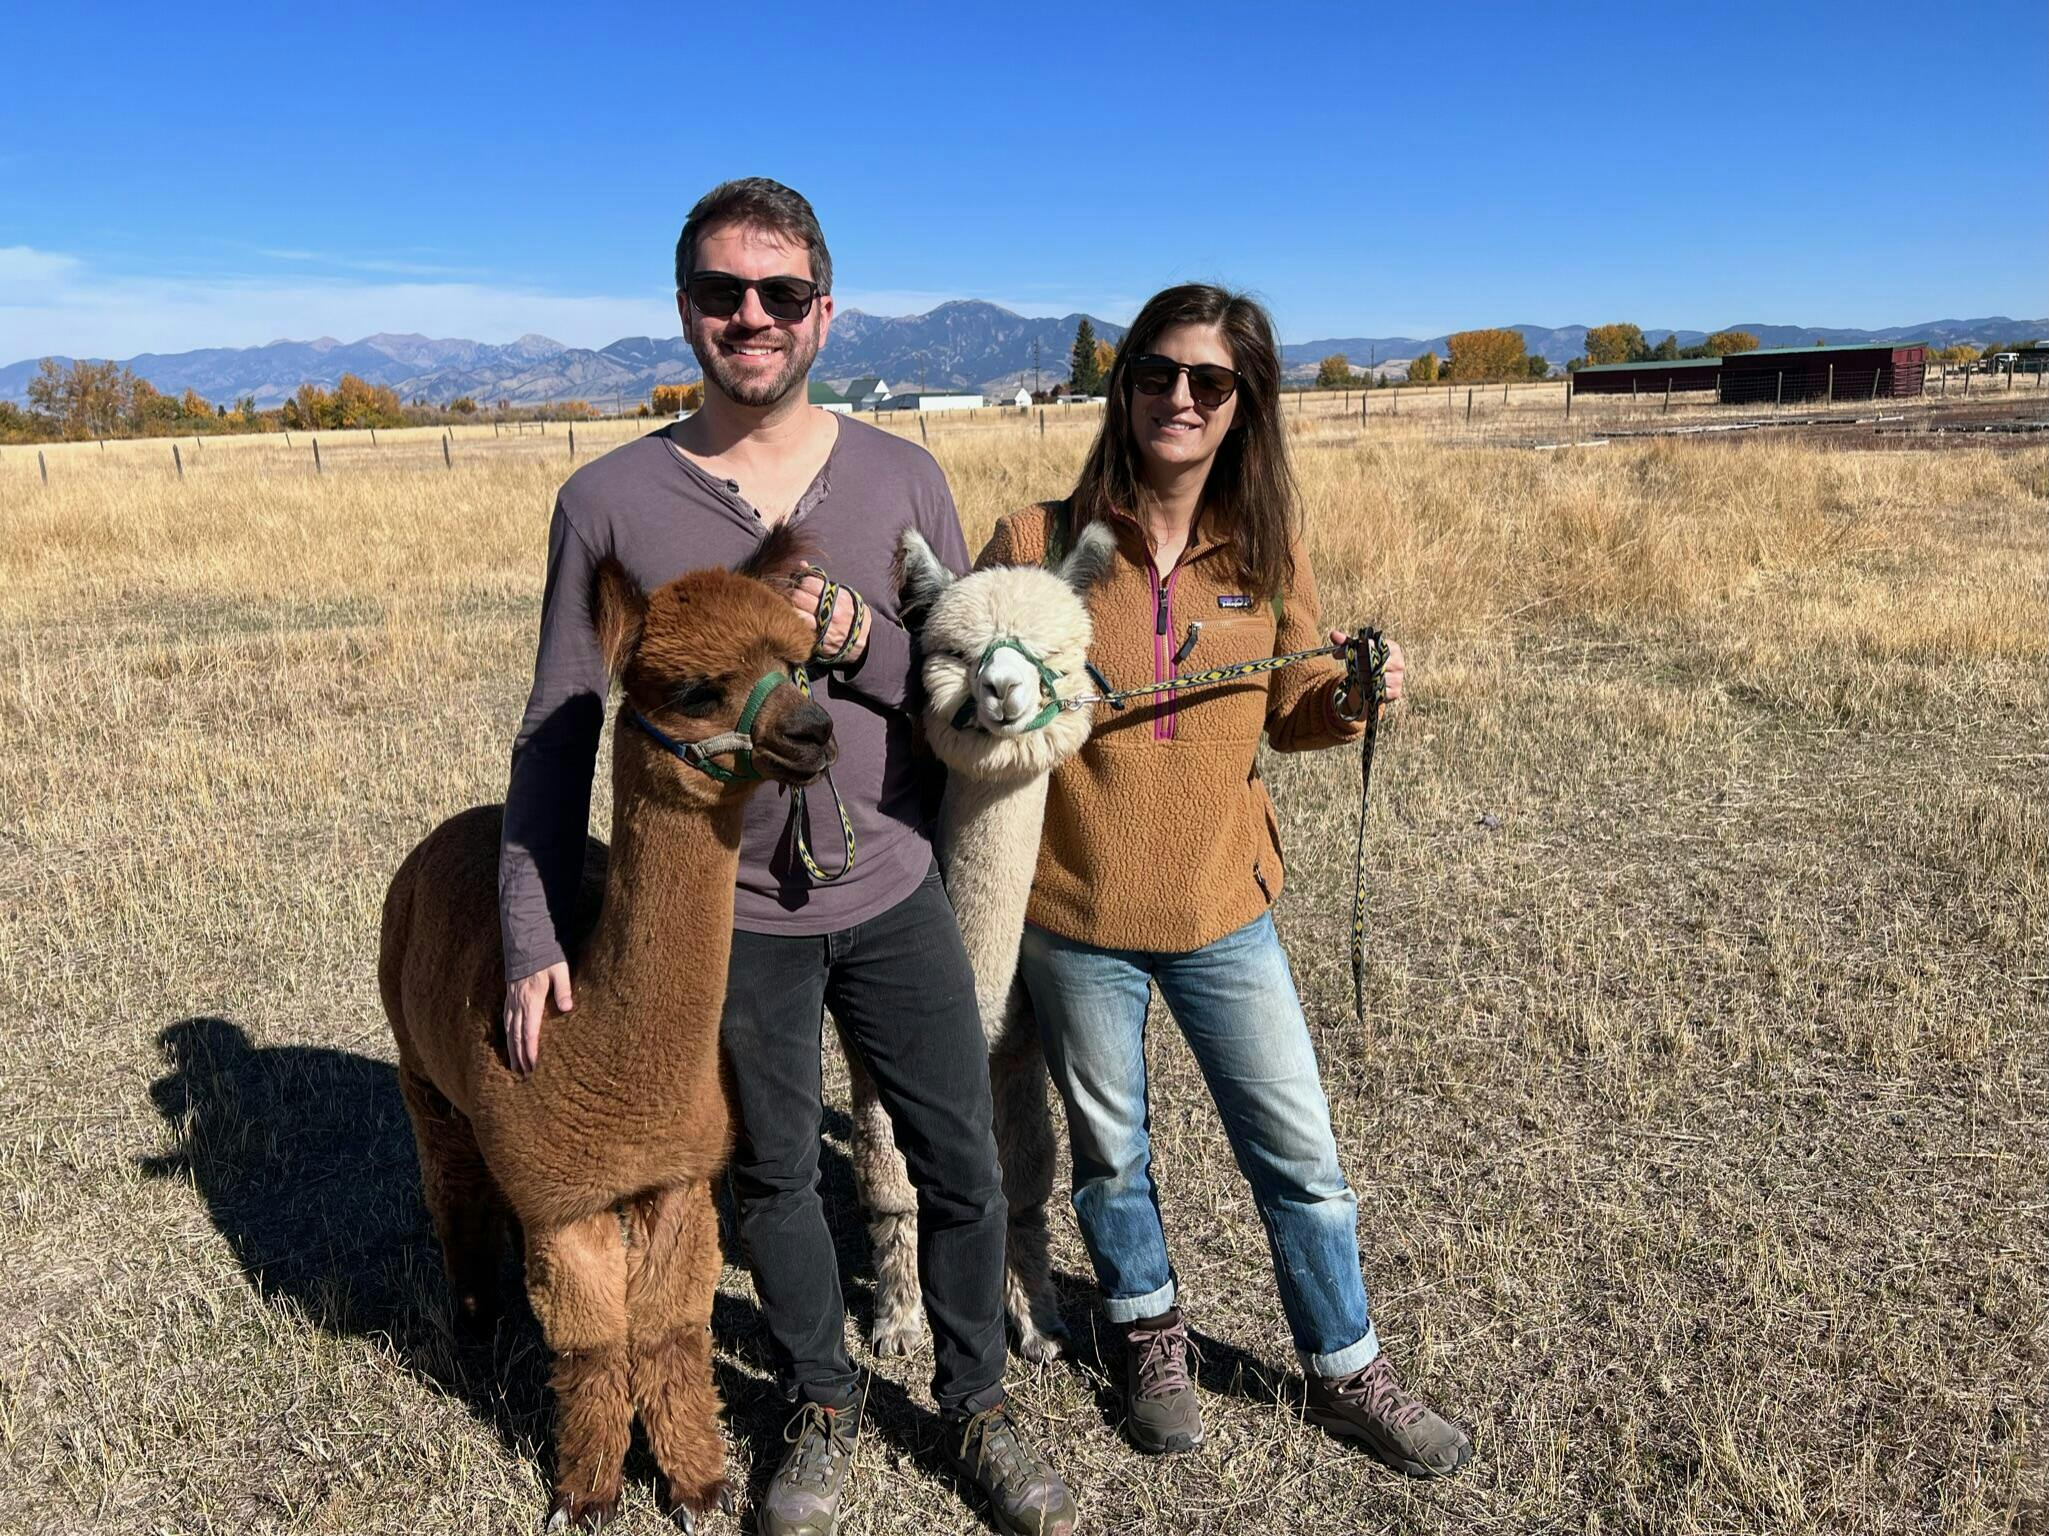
(1391, 673)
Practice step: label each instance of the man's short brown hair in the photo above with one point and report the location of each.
(763, 204)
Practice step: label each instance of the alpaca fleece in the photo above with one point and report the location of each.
(604, 1155)
(988, 842)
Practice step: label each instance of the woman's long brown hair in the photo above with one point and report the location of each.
(1249, 498)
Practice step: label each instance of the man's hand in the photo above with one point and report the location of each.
(526, 1000)
(804, 598)
(1391, 673)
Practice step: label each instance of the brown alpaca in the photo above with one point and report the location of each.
(605, 1155)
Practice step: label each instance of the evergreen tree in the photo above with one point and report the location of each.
(1083, 371)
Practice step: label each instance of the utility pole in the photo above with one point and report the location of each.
(1035, 367)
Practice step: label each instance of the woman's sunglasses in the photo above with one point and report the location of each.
(720, 295)
(1209, 384)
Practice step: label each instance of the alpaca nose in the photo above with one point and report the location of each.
(808, 725)
(1007, 697)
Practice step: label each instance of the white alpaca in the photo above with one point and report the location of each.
(1002, 647)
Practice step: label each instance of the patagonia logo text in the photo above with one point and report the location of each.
(1234, 600)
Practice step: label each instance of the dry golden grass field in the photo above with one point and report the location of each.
(1698, 1126)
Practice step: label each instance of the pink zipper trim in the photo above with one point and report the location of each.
(1163, 663)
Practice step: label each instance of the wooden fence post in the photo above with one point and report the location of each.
(316, 458)
(373, 437)
(1830, 398)
(447, 458)
(1042, 421)
(288, 437)
(178, 460)
(44, 465)
(1469, 404)
(572, 439)
(1780, 398)
(923, 436)
(494, 426)
(1568, 397)
(1875, 373)
(1668, 392)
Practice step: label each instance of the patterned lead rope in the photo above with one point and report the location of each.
(1365, 651)
(800, 836)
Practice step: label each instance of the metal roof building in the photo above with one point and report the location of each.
(1650, 378)
(1770, 375)
(1885, 371)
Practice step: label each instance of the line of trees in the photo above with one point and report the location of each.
(1623, 343)
(81, 401)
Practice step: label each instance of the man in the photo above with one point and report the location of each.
(880, 946)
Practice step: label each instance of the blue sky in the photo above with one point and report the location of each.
(168, 182)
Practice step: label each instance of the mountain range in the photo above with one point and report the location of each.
(962, 345)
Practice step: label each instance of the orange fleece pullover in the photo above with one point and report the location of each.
(1160, 834)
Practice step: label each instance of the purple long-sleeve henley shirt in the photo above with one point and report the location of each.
(659, 515)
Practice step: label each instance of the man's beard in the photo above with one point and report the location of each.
(801, 349)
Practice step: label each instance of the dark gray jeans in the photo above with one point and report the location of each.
(901, 985)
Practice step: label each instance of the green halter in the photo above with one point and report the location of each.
(1048, 712)
(739, 740)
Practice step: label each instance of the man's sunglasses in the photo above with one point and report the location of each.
(1209, 384)
(720, 295)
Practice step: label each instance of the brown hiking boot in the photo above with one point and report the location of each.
(1025, 1494)
(1370, 1406)
(1161, 1414)
(803, 1497)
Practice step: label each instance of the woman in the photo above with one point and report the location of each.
(1161, 857)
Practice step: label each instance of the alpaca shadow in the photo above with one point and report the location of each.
(304, 1157)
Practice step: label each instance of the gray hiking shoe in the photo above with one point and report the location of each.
(1160, 1411)
(1025, 1494)
(1401, 1429)
(803, 1497)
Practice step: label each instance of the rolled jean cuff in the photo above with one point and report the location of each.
(1129, 1309)
(1353, 1357)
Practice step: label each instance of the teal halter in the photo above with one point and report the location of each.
(1049, 711)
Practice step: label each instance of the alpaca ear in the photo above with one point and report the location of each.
(618, 610)
(920, 578)
(1090, 559)
(780, 558)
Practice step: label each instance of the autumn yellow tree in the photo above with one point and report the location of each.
(1726, 343)
(672, 399)
(85, 399)
(1334, 372)
(1106, 359)
(1619, 343)
(1483, 357)
(1423, 370)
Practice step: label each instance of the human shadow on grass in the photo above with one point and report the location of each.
(305, 1159)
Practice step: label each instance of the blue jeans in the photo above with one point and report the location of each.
(1235, 1003)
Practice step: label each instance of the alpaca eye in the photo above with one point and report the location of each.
(697, 698)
